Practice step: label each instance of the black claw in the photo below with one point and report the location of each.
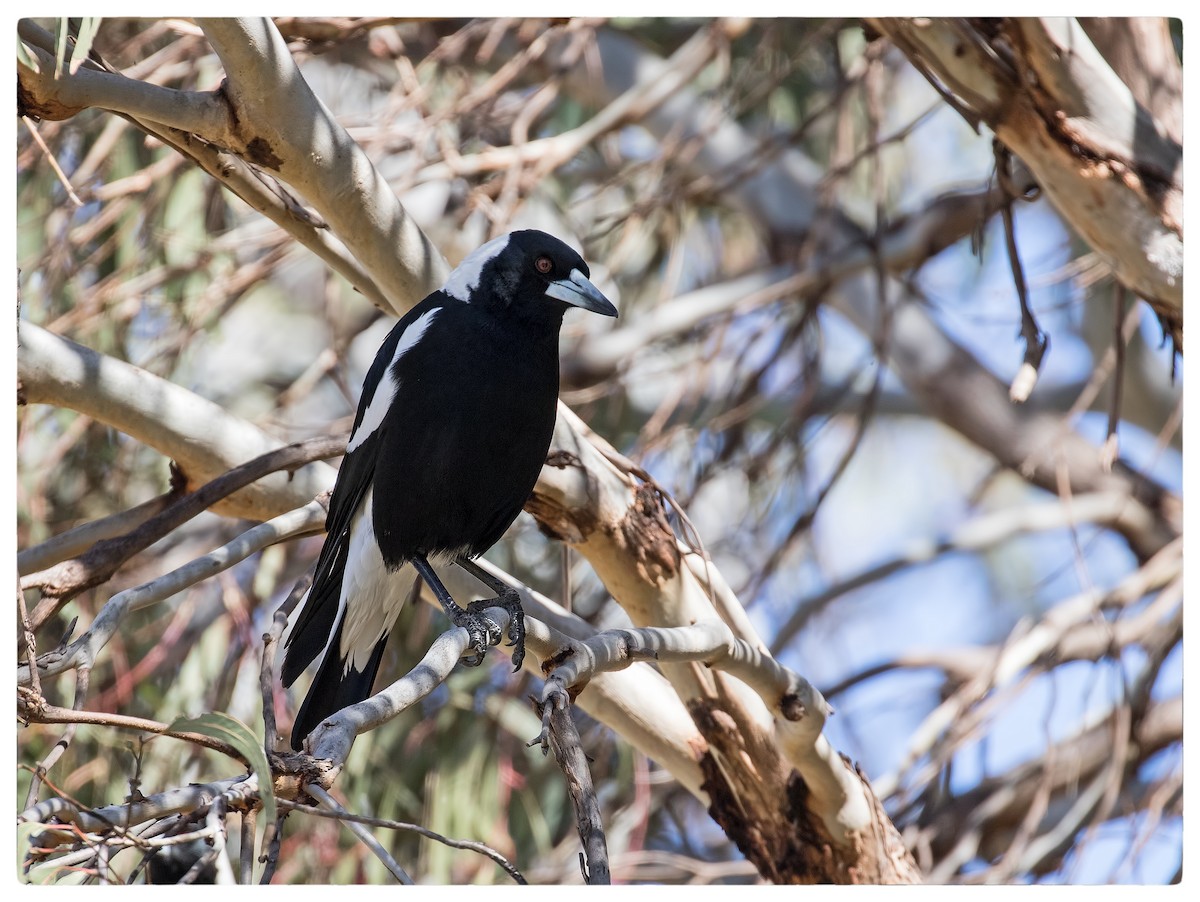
(483, 633)
(511, 602)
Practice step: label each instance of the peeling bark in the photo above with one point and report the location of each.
(769, 813)
(1111, 171)
(646, 536)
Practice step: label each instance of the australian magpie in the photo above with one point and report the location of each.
(453, 426)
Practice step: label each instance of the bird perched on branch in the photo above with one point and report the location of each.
(453, 426)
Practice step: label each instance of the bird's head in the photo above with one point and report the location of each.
(531, 269)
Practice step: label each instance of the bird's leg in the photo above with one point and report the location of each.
(484, 631)
(506, 597)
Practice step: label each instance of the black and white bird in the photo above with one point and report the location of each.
(456, 416)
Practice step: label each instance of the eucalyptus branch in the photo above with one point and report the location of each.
(906, 244)
(199, 435)
(193, 800)
(33, 712)
(1027, 645)
(560, 735)
(949, 381)
(83, 651)
(99, 563)
(975, 535)
(1103, 161)
(285, 128)
(79, 539)
(205, 139)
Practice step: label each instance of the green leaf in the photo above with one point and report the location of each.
(25, 834)
(62, 35)
(27, 57)
(49, 872)
(228, 729)
(88, 26)
(44, 872)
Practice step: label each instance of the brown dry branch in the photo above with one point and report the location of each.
(83, 651)
(560, 736)
(65, 580)
(37, 711)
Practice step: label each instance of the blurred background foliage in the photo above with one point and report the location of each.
(799, 462)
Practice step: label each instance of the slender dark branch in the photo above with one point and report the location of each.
(267, 671)
(67, 579)
(34, 712)
(82, 680)
(78, 539)
(246, 862)
(559, 733)
(272, 837)
(1036, 341)
(1108, 454)
(363, 834)
(468, 844)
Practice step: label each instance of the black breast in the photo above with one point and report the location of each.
(466, 435)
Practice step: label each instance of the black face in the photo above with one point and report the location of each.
(554, 272)
(546, 256)
(528, 274)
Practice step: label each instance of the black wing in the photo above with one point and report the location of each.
(319, 617)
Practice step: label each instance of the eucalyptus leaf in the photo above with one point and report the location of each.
(62, 35)
(88, 26)
(44, 872)
(27, 57)
(25, 834)
(228, 729)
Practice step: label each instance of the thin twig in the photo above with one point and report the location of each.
(267, 670)
(362, 833)
(467, 844)
(1036, 341)
(1111, 446)
(67, 579)
(30, 644)
(43, 713)
(246, 862)
(82, 679)
(272, 837)
(62, 176)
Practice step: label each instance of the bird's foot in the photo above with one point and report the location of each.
(483, 631)
(510, 600)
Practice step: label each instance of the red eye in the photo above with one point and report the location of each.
(544, 265)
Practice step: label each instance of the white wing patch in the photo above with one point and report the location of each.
(385, 391)
(466, 275)
(372, 596)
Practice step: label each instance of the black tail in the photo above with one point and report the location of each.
(335, 686)
(318, 617)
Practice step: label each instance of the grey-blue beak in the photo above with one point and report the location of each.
(577, 291)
